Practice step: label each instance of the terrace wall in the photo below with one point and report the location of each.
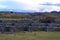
(27, 25)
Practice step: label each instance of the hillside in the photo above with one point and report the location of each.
(36, 17)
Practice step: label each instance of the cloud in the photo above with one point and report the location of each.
(3, 6)
(28, 5)
(50, 4)
(5, 0)
(2, 0)
(40, 5)
(47, 6)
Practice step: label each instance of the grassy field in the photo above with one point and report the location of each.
(31, 36)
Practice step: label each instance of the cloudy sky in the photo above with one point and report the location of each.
(30, 5)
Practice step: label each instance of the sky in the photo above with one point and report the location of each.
(30, 5)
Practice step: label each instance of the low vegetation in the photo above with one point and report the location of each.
(31, 36)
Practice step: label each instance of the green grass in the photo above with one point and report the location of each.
(31, 36)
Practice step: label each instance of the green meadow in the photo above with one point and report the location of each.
(31, 36)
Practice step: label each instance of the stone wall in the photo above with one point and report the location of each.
(26, 25)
